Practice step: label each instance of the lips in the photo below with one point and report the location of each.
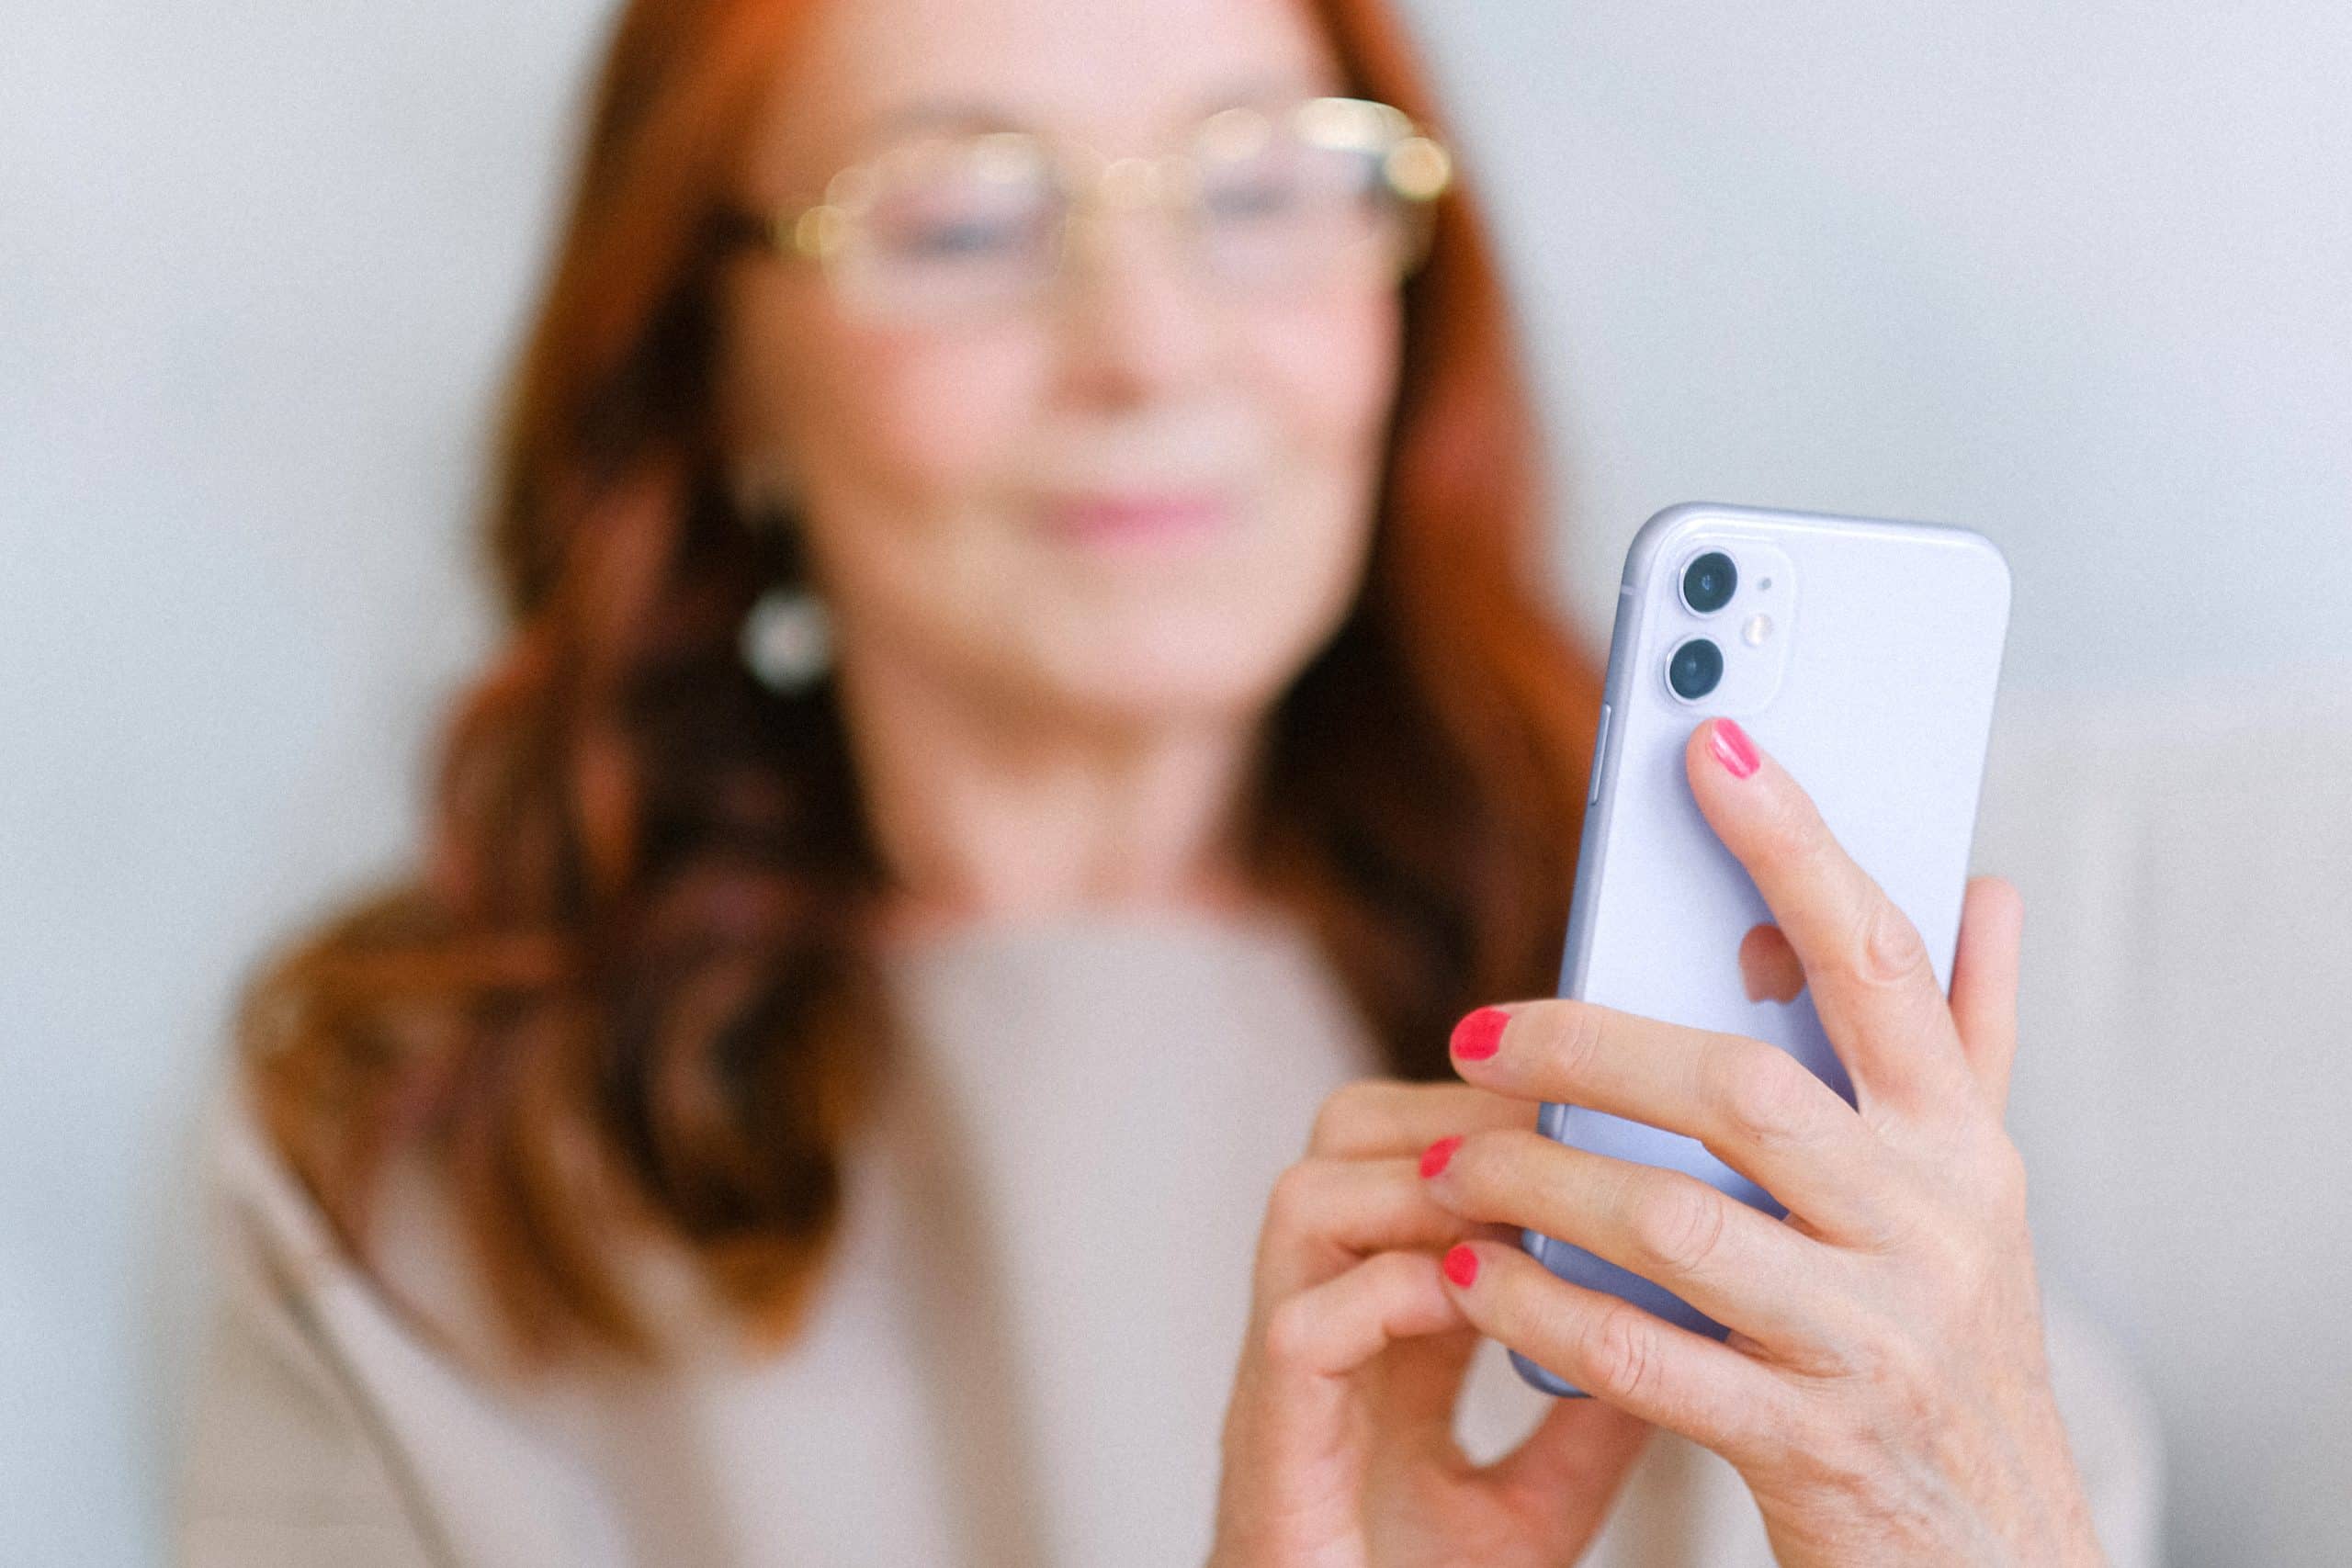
(1130, 517)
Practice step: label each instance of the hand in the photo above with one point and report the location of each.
(1338, 1447)
(1882, 1390)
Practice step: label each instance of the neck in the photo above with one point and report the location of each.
(981, 812)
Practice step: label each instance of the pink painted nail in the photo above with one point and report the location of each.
(1434, 1159)
(1461, 1264)
(1479, 1034)
(1732, 747)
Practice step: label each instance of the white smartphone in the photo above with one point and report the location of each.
(1862, 653)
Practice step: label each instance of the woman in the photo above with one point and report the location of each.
(1027, 704)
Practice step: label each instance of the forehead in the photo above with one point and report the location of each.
(1120, 74)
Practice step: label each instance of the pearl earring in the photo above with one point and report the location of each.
(786, 638)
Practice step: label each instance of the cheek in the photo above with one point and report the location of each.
(896, 446)
(1328, 370)
(903, 423)
(1328, 378)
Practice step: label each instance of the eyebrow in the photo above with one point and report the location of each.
(975, 114)
(939, 114)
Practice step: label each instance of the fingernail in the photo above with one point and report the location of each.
(1434, 1159)
(1479, 1034)
(1460, 1264)
(1733, 749)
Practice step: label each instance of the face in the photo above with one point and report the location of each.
(1141, 498)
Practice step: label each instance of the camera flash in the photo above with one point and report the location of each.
(1758, 628)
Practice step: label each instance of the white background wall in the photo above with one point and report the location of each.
(2075, 274)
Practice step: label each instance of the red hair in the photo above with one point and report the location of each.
(623, 985)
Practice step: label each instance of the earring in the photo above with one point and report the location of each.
(786, 638)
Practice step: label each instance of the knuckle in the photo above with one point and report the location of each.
(1766, 1096)
(2007, 1177)
(1345, 1112)
(1618, 1351)
(1679, 1223)
(1890, 948)
(1294, 1199)
(1288, 1341)
(1572, 1033)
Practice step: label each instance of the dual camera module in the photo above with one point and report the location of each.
(1697, 663)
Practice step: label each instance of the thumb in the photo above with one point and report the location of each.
(1984, 983)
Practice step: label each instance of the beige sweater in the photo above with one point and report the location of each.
(1022, 1358)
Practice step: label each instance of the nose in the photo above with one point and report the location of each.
(1137, 322)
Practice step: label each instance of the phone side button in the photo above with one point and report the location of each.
(1599, 750)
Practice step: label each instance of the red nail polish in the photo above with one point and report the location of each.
(1460, 1264)
(1434, 1159)
(1479, 1034)
(1733, 749)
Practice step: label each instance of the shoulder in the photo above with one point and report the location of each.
(421, 1274)
(284, 1458)
(267, 1227)
(348, 1412)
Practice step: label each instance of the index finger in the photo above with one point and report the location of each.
(1370, 1117)
(1750, 1104)
(1873, 981)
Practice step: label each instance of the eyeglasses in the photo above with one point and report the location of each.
(957, 227)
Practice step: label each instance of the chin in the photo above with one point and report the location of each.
(1218, 669)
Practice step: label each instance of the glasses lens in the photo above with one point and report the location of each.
(951, 228)
(1275, 210)
(962, 227)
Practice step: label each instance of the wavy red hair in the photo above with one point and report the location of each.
(623, 985)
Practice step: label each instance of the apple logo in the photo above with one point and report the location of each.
(1768, 966)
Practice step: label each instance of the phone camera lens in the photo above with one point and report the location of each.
(1695, 669)
(1708, 582)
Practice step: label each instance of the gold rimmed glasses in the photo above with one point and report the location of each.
(959, 226)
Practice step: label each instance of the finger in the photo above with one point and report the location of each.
(1420, 1383)
(1391, 1116)
(1331, 1329)
(1872, 980)
(1294, 1407)
(1718, 1397)
(1752, 1104)
(1985, 984)
(1325, 1215)
(1742, 1268)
